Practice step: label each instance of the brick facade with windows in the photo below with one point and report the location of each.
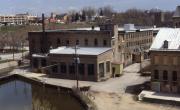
(124, 44)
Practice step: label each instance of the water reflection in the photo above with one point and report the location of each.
(19, 95)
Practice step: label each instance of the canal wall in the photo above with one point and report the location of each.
(76, 95)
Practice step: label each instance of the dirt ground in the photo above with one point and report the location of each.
(113, 101)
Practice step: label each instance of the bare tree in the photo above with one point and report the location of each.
(106, 11)
(89, 12)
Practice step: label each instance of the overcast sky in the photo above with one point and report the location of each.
(60, 6)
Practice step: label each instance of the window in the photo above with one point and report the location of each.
(35, 63)
(81, 68)
(174, 76)
(165, 75)
(156, 74)
(63, 68)
(33, 43)
(105, 42)
(90, 69)
(43, 62)
(55, 69)
(108, 66)
(123, 37)
(77, 42)
(119, 48)
(165, 44)
(175, 61)
(156, 60)
(95, 42)
(67, 42)
(72, 69)
(86, 42)
(58, 42)
(101, 69)
(165, 60)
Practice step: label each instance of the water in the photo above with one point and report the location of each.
(20, 95)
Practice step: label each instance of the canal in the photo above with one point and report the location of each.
(20, 95)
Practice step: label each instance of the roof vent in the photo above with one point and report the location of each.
(129, 27)
(165, 46)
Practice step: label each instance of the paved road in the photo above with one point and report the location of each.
(130, 77)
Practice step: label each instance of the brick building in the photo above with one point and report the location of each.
(132, 42)
(124, 44)
(94, 64)
(165, 61)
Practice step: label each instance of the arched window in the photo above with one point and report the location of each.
(105, 42)
(174, 76)
(86, 42)
(77, 42)
(156, 74)
(67, 42)
(165, 75)
(165, 44)
(95, 42)
(58, 42)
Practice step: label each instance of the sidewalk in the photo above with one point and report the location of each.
(112, 85)
(8, 64)
(159, 97)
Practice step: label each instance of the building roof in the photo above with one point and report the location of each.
(171, 35)
(39, 55)
(177, 12)
(131, 27)
(80, 50)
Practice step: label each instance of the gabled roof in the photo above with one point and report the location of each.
(80, 50)
(171, 35)
(177, 12)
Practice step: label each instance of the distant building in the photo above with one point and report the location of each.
(18, 19)
(176, 17)
(134, 44)
(125, 45)
(165, 61)
(59, 18)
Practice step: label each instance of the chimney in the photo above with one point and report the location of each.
(165, 44)
(44, 44)
(43, 24)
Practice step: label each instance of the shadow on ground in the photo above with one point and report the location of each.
(136, 89)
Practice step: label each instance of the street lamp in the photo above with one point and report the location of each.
(76, 61)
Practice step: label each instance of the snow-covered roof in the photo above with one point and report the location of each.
(88, 29)
(80, 50)
(39, 55)
(171, 35)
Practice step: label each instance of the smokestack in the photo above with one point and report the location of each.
(43, 24)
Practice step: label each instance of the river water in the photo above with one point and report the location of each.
(20, 95)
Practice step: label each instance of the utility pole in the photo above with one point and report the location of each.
(22, 50)
(77, 61)
(13, 46)
(140, 48)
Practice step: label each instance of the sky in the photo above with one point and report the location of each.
(60, 6)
